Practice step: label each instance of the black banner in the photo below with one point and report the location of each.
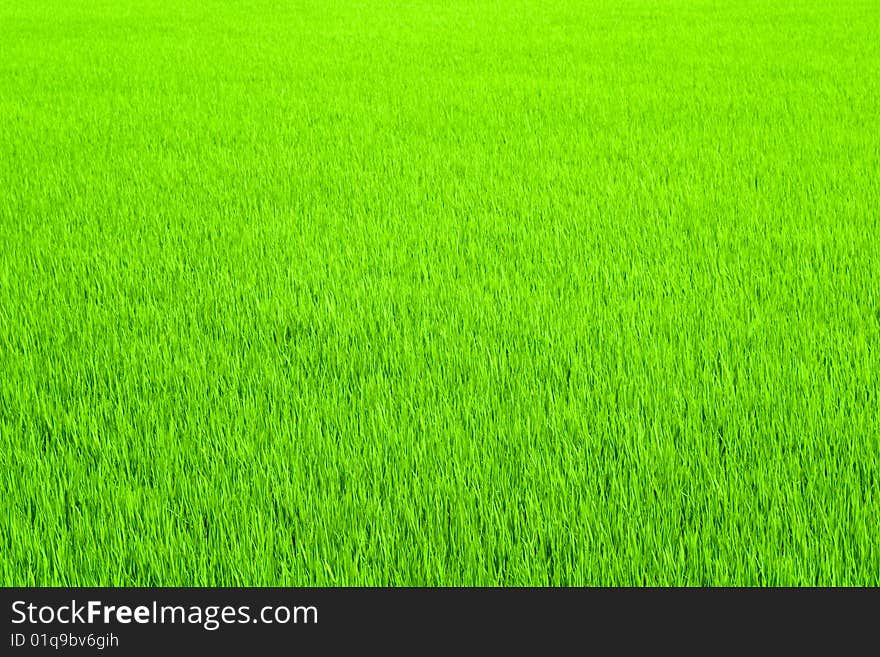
(413, 621)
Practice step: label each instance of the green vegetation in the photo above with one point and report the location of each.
(419, 293)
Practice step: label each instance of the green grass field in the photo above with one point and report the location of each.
(439, 293)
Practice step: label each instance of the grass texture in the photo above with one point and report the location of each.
(439, 293)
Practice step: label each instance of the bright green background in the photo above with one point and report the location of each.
(518, 292)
